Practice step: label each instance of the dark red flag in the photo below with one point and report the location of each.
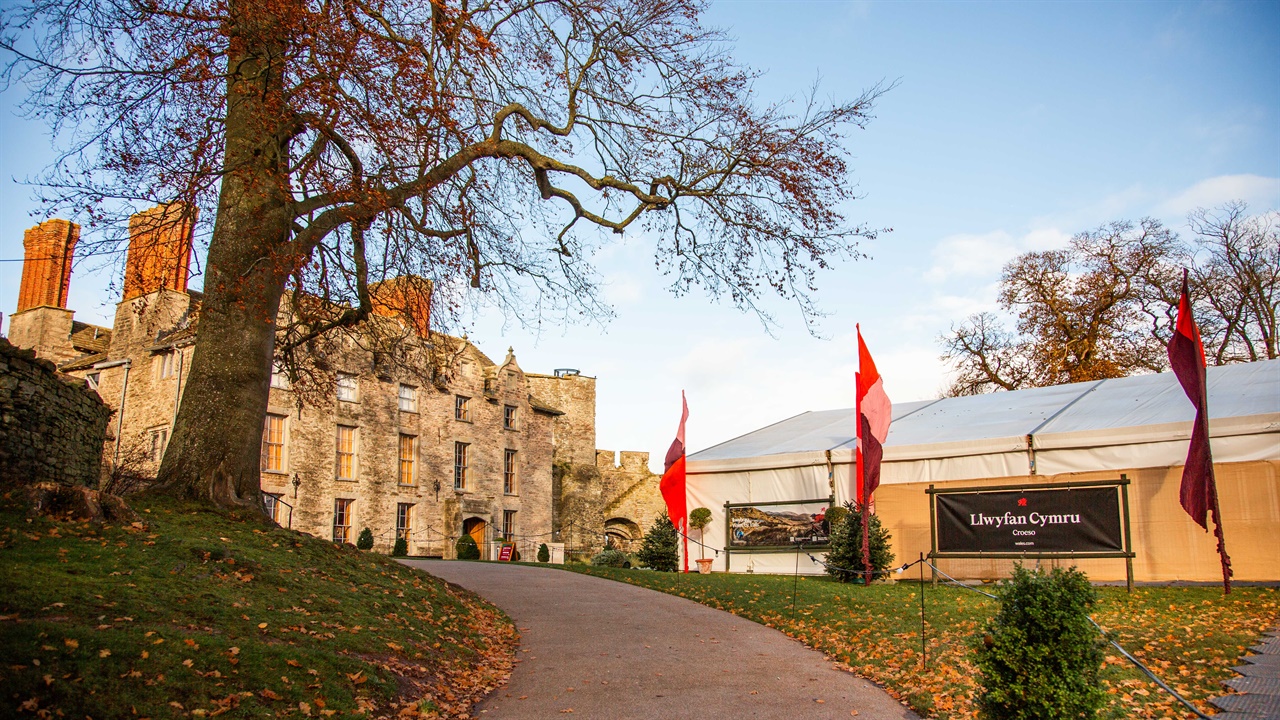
(1199, 492)
(673, 482)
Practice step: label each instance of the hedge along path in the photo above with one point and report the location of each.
(602, 649)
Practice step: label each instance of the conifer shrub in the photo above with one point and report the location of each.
(544, 553)
(401, 549)
(1039, 656)
(659, 551)
(844, 559)
(610, 557)
(466, 549)
(365, 541)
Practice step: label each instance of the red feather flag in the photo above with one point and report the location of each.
(1199, 491)
(874, 414)
(673, 482)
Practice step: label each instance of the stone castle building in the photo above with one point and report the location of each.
(441, 442)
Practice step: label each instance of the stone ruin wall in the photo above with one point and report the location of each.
(51, 427)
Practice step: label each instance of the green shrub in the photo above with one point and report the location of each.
(401, 549)
(1040, 655)
(611, 558)
(544, 553)
(365, 541)
(845, 554)
(466, 548)
(659, 552)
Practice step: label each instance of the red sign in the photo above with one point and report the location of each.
(504, 553)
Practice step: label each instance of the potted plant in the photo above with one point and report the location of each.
(699, 519)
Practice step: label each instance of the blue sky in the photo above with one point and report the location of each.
(1014, 126)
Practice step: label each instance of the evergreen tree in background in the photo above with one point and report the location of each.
(844, 560)
(659, 549)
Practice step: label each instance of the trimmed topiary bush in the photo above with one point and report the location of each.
(845, 554)
(401, 549)
(1040, 655)
(365, 541)
(659, 551)
(611, 558)
(544, 553)
(466, 548)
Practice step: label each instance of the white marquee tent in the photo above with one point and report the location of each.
(1137, 425)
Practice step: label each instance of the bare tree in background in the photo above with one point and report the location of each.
(1238, 276)
(1104, 306)
(489, 147)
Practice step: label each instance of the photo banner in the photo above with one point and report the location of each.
(1066, 520)
(776, 525)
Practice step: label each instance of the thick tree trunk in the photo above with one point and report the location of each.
(213, 454)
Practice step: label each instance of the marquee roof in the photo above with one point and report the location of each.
(1243, 399)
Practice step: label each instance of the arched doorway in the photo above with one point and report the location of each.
(620, 533)
(475, 528)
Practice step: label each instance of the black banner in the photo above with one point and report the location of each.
(1065, 520)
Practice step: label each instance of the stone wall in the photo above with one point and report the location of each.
(51, 427)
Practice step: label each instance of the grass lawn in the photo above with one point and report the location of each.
(1190, 637)
(194, 613)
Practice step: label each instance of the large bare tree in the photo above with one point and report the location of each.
(489, 147)
(1103, 306)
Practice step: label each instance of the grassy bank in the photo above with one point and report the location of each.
(1191, 637)
(193, 613)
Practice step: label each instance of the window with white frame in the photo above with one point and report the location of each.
(157, 440)
(408, 398)
(279, 378)
(93, 380)
(404, 520)
(342, 520)
(348, 387)
(460, 465)
(344, 461)
(271, 503)
(166, 364)
(408, 459)
(273, 443)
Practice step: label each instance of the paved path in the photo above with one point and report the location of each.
(1257, 695)
(614, 651)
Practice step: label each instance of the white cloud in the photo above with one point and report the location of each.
(1261, 193)
(982, 256)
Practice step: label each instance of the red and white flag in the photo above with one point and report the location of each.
(874, 414)
(1199, 491)
(673, 482)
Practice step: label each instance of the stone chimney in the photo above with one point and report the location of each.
(159, 250)
(406, 298)
(46, 265)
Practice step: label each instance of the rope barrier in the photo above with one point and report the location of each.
(1145, 670)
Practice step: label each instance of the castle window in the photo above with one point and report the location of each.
(93, 380)
(460, 465)
(509, 417)
(408, 398)
(342, 520)
(408, 457)
(166, 365)
(404, 520)
(345, 453)
(462, 408)
(271, 503)
(273, 444)
(157, 439)
(509, 473)
(509, 524)
(348, 388)
(279, 379)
